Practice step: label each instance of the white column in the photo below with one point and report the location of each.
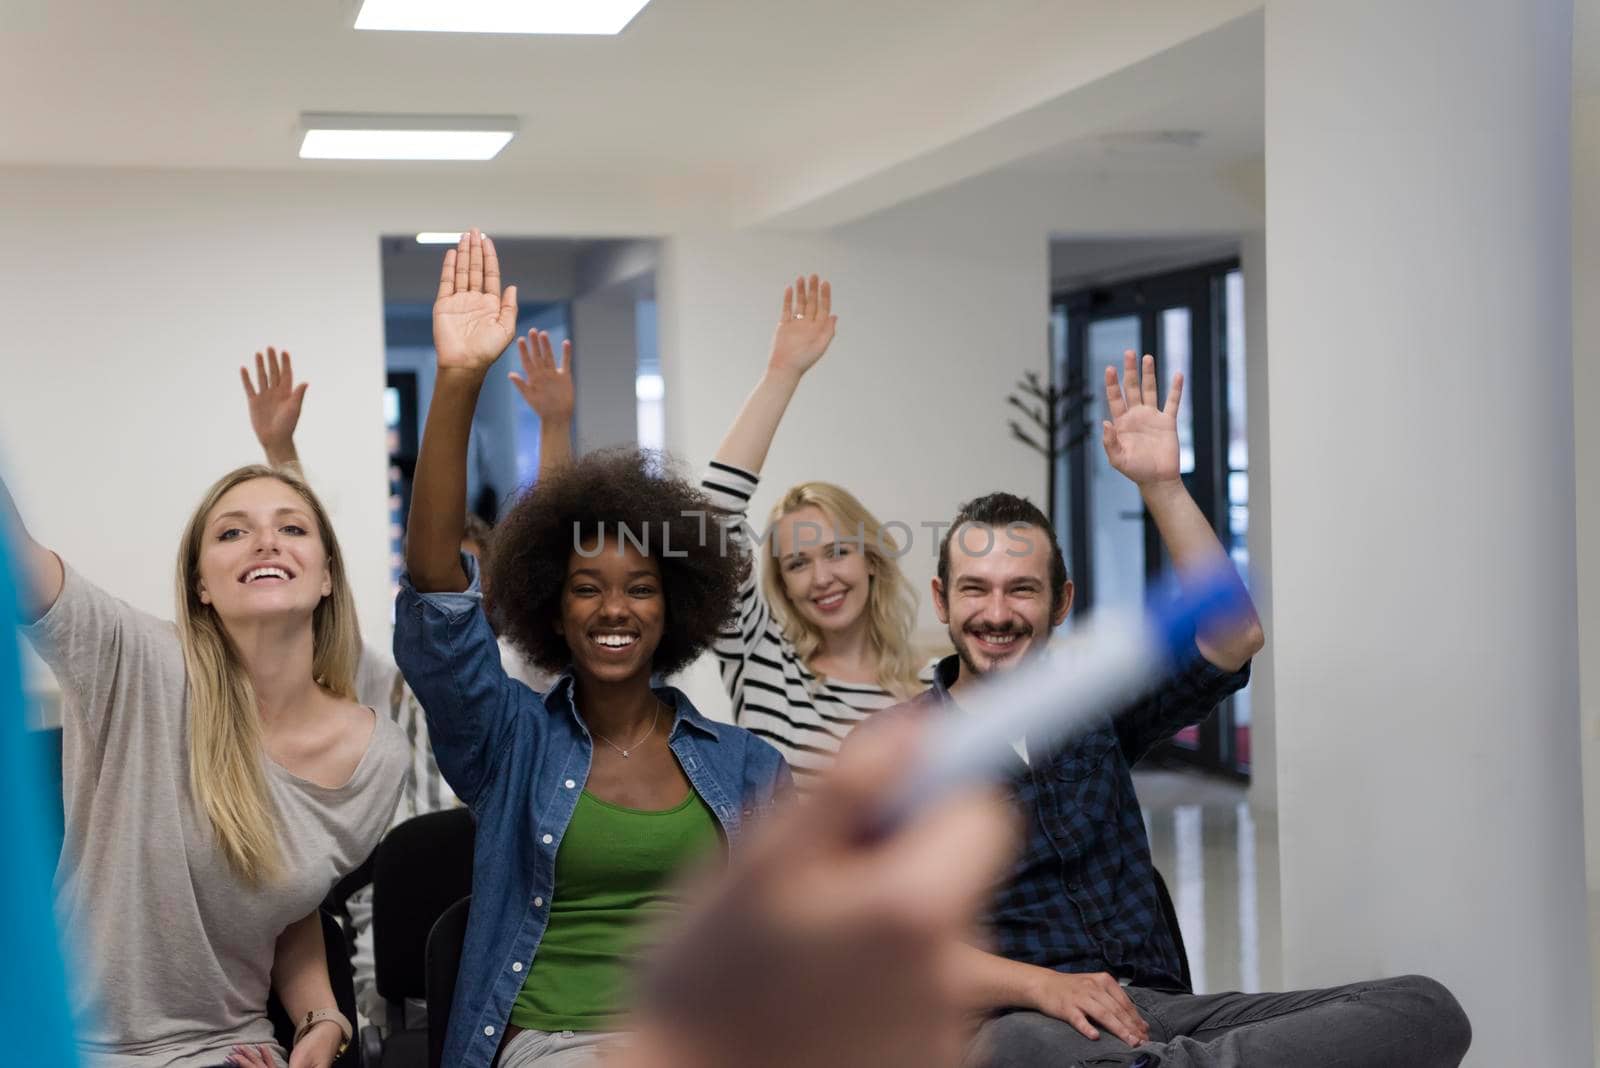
(1263, 685)
(1263, 736)
(1422, 541)
(1586, 397)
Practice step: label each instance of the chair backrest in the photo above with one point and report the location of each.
(421, 868)
(338, 899)
(337, 903)
(1170, 915)
(344, 994)
(443, 962)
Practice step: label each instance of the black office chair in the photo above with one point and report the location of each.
(420, 869)
(1170, 915)
(443, 962)
(344, 993)
(337, 903)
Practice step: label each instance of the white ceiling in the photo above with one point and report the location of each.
(1212, 113)
(693, 86)
(753, 96)
(799, 114)
(1078, 264)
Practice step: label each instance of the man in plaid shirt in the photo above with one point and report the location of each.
(1086, 971)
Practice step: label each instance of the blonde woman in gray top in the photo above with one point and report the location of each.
(219, 778)
(274, 400)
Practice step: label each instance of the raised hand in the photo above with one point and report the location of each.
(1141, 438)
(274, 401)
(805, 327)
(473, 321)
(545, 384)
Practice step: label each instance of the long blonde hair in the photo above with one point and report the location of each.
(225, 753)
(891, 605)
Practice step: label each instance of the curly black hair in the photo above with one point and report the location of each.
(602, 492)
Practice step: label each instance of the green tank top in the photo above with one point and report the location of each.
(615, 875)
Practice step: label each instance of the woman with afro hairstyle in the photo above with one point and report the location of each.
(590, 798)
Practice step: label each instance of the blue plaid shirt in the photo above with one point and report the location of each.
(1082, 896)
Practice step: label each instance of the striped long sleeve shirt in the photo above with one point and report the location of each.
(775, 695)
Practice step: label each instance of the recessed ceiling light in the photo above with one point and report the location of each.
(499, 16)
(425, 137)
(438, 237)
(401, 144)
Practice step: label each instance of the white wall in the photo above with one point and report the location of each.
(1422, 508)
(605, 264)
(129, 310)
(186, 274)
(138, 294)
(1263, 732)
(1586, 428)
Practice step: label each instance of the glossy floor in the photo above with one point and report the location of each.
(1221, 865)
(1220, 861)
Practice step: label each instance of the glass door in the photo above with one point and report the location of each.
(1115, 512)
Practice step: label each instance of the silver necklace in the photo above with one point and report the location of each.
(625, 751)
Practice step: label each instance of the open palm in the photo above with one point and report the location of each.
(545, 384)
(805, 326)
(273, 398)
(1141, 438)
(473, 321)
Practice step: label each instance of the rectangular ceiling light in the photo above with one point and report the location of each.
(499, 16)
(439, 237)
(424, 137)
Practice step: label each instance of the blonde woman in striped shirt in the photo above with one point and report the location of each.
(824, 633)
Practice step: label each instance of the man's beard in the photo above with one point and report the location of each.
(961, 640)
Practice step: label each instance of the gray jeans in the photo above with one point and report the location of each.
(559, 1049)
(1409, 1022)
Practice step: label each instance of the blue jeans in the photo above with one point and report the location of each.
(1409, 1022)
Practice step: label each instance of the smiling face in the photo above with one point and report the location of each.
(613, 612)
(998, 600)
(261, 554)
(825, 573)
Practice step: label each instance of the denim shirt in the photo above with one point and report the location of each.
(519, 761)
(1081, 896)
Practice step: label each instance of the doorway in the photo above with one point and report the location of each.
(1192, 321)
